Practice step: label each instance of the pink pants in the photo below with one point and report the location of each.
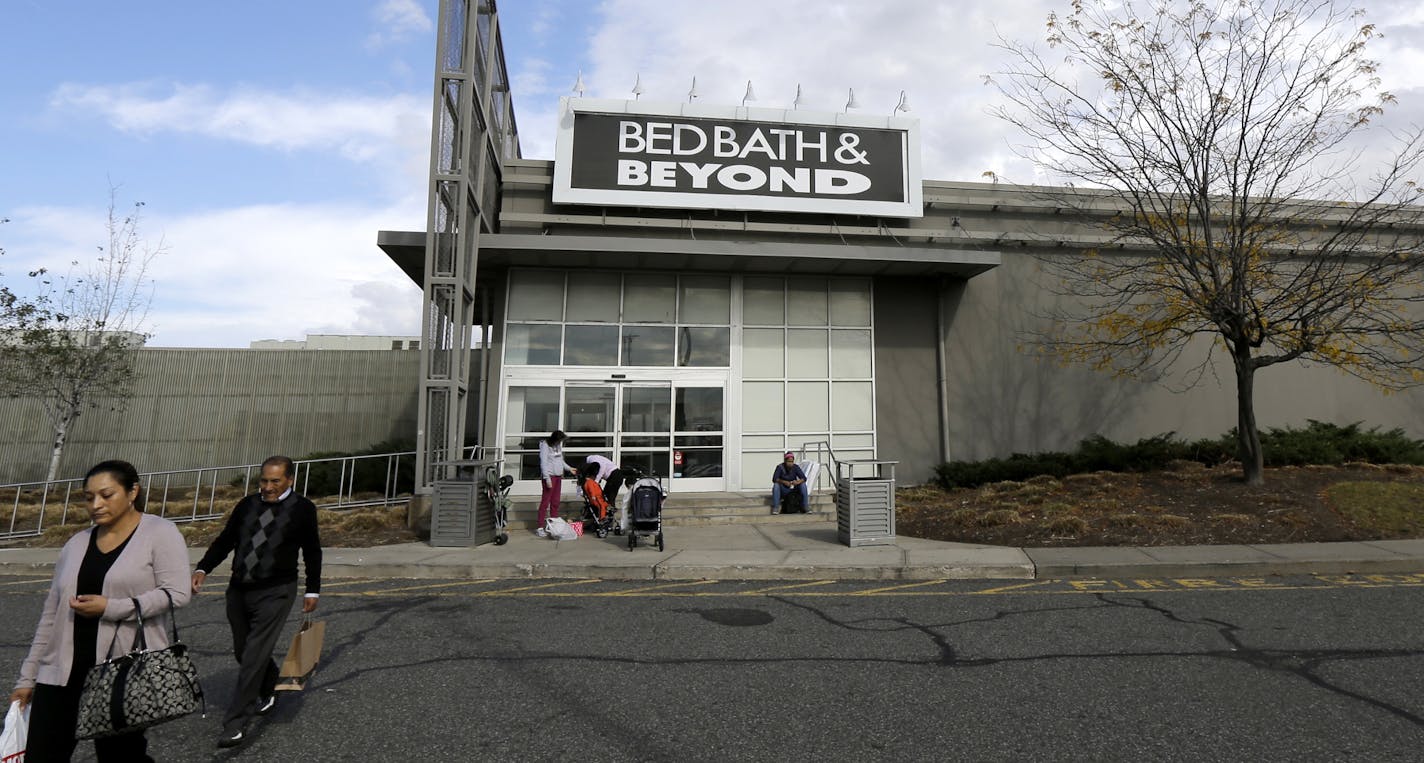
(549, 499)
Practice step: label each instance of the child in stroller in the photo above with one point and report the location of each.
(596, 516)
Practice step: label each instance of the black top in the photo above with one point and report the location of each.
(783, 472)
(92, 571)
(293, 527)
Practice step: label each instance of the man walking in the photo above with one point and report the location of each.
(265, 529)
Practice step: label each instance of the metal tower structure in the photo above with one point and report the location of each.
(473, 132)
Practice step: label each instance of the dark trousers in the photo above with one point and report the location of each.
(256, 618)
(54, 712)
(612, 485)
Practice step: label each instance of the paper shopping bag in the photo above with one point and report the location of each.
(302, 657)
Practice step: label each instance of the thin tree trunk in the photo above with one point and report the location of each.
(1248, 438)
(61, 436)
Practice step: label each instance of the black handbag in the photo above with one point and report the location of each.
(140, 689)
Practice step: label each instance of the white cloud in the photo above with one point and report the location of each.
(358, 127)
(397, 21)
(258, 272)
(937, 52)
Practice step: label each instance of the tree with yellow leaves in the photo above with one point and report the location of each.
(1227, 148)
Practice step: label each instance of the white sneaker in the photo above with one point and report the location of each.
(541, 533)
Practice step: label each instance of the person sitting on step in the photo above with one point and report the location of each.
(787, 479)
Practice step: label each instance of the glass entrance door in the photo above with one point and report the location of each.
(672, 431)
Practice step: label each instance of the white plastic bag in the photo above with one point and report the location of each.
(17, 728)
(558, 529)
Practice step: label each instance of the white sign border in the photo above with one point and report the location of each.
(565, 193)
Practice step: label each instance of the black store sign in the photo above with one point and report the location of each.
(635, 158)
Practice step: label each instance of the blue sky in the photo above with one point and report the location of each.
(271, 139)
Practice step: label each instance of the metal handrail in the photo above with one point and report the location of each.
(167, 493)
(823, 448)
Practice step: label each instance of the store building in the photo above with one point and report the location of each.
(698, 288)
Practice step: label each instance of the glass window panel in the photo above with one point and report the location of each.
(804, 444)
(764, 302)
(850, 354)
(532, 409)
(846, 441)
(651, 463)
(591, 345)
(850, 303)
(757, 469)
(762, 407)
(704, 347)
(588, 443)
(763, 353)
(806, 302)
(691, 441)
(648, 345)
(811, 408)
(594, 297)
(535, 344)
(536, 295)
(859, 470)
(649, 298)
(763, 441)
(699, 409)
(854, 407)
(647, 441)
(698, 463)
(647, 409)
(590, 409)
(526, 465)
(806, 354)
(705, 299)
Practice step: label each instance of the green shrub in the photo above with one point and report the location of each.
(325, 478)
(1317, 443)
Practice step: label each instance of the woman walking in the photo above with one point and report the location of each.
(126, 555)
(552, 469)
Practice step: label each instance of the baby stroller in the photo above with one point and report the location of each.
(596, 516)
(645, 510)
(496, 489)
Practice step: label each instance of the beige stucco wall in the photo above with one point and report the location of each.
(1003, 400)
(217, 407)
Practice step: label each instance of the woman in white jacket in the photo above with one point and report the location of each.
(551, 472)
(127, 559)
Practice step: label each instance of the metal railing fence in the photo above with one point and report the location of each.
(189, 495)
(823, 456)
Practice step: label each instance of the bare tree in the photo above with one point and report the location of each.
(1204, 136)
(73, 346)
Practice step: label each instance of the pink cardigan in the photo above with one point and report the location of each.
(155, 559)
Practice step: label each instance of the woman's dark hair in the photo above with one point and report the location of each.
(556, 437)
(123, 473)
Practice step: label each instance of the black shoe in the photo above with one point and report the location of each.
(265, 706)
(231, 738)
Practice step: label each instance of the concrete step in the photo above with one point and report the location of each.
(694, 510)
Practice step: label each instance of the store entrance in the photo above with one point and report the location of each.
(673, 430)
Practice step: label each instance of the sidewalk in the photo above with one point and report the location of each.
(811, 552)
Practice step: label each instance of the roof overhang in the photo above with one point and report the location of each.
(499, 250)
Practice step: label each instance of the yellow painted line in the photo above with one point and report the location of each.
(793, 587)
(325, 584)
(1019, 587)
(1055, 587)
(427, 587)
(522, 589)
(887, 589)
(668, 586)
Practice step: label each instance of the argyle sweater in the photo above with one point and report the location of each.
(267, 556)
